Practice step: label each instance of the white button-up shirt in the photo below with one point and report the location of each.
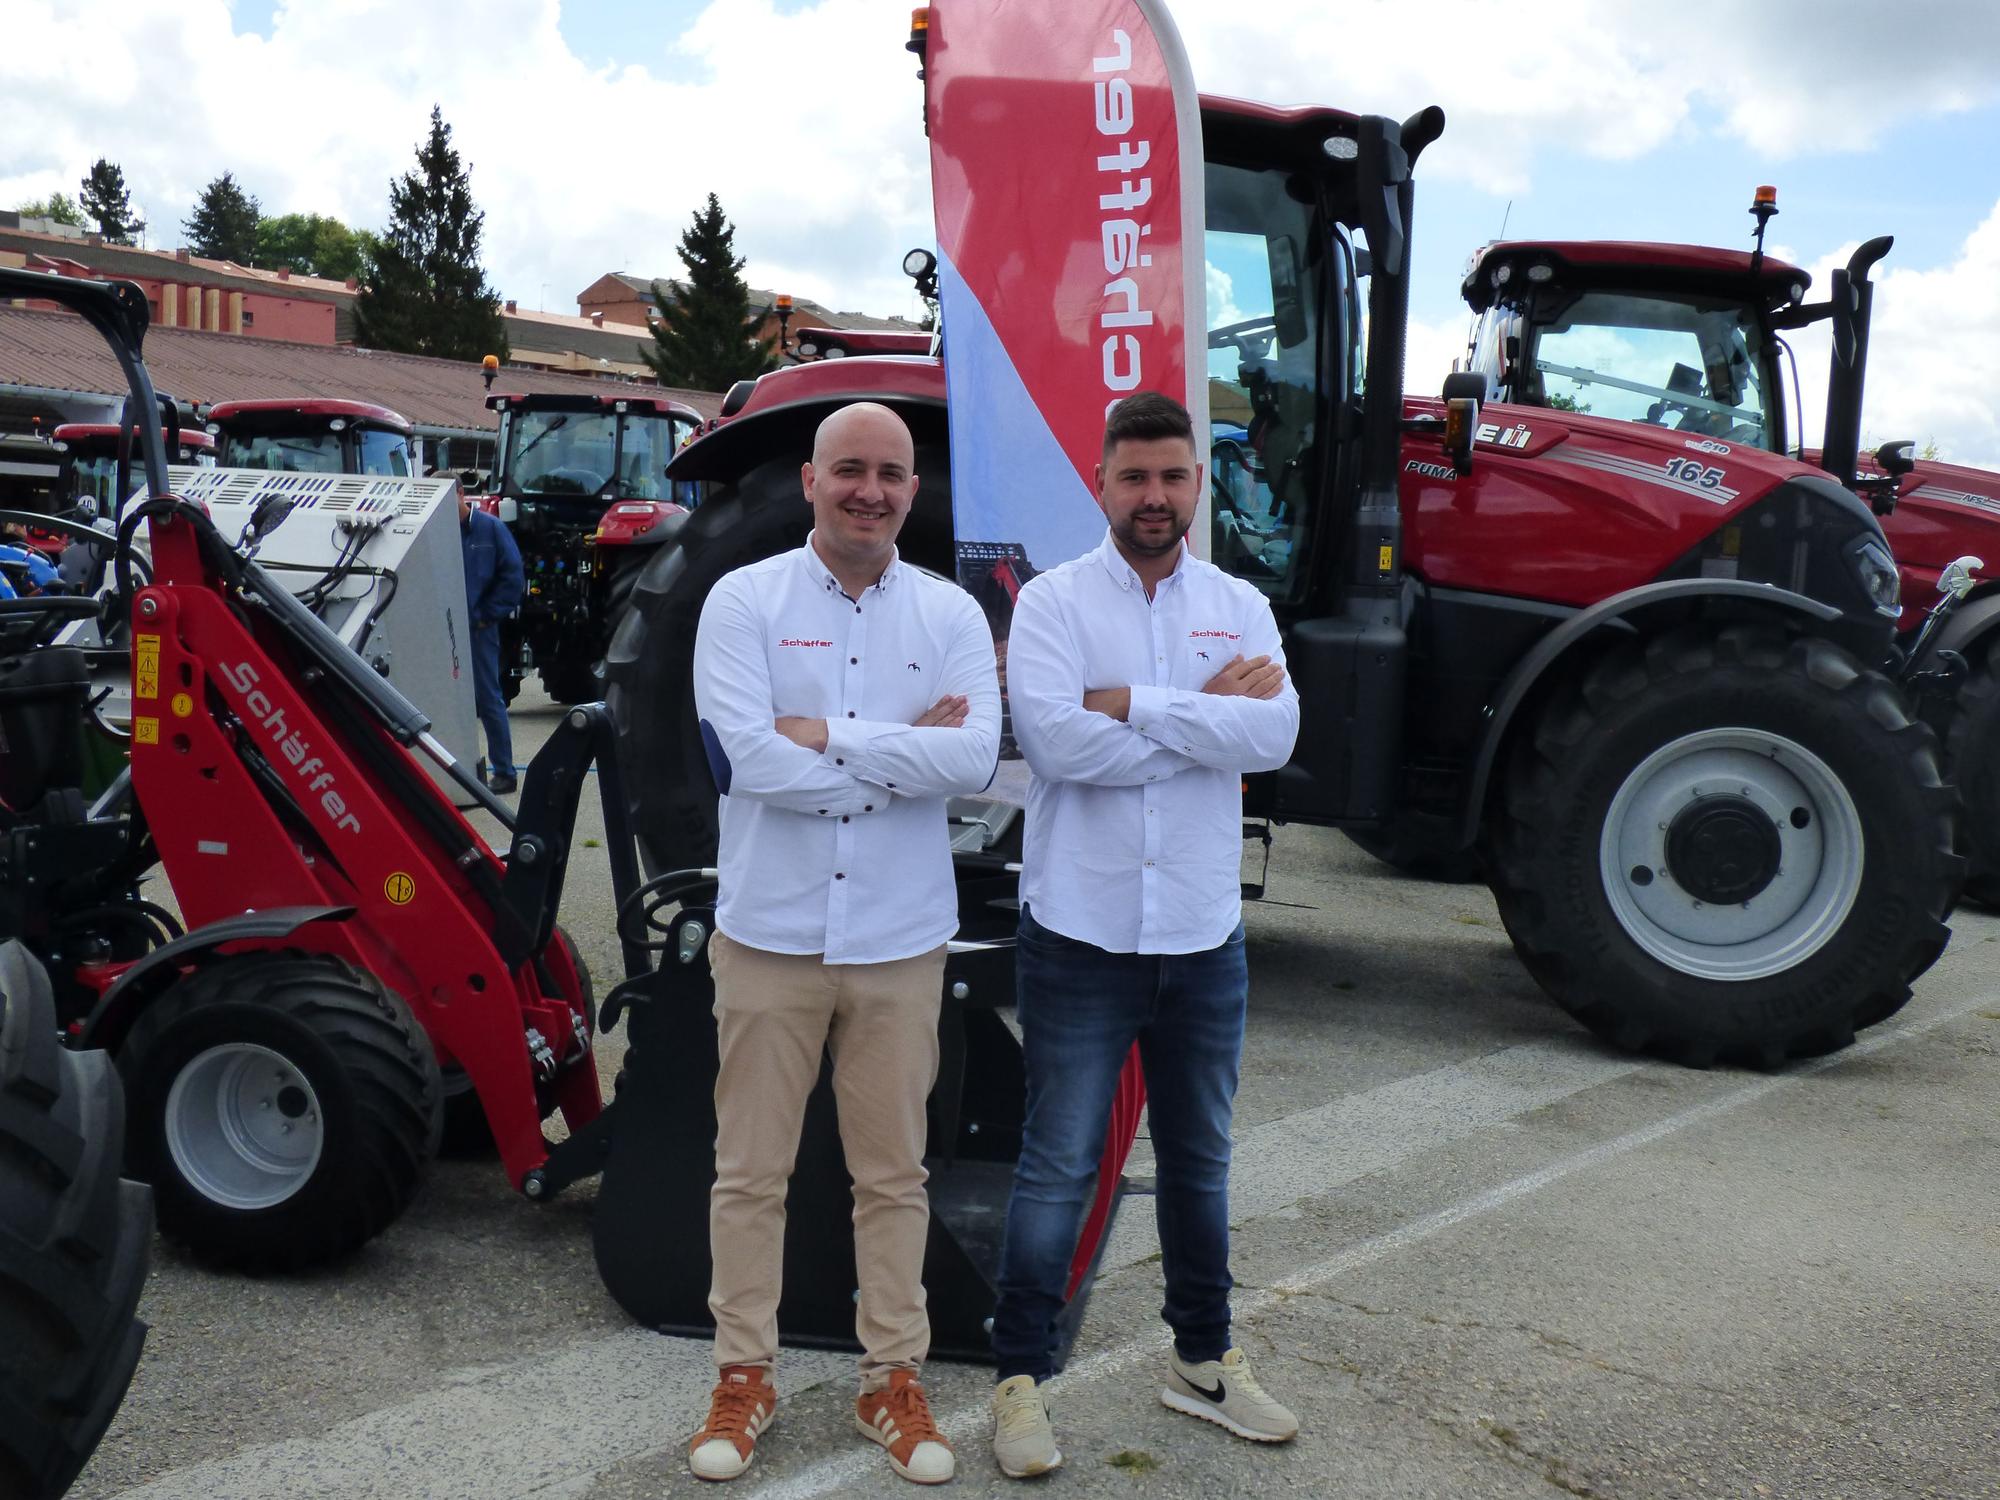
(1135, 829)
(845, 852)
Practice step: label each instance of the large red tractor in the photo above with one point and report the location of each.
(1639, 678)
(582, 483)
(1690, 340)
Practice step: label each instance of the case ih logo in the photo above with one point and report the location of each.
(305, 765)
(794, 641)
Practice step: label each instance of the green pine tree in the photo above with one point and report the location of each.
(106, 200)
(224, 223)
(428, 292)
(58, 206)
(706, 337)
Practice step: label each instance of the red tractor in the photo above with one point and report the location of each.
(582, 483)
(1690, 341)
(312, 436)
(1638, 678)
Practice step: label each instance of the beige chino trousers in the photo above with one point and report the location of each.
(775, 1013)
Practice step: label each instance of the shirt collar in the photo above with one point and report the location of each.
(1121, 571)
(822, 577)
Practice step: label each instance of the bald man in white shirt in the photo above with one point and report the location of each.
(844, 696)
(1145, 683)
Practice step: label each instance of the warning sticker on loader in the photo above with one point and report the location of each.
(146, 666)
(183, 705)
(399, 888)
(145, 730)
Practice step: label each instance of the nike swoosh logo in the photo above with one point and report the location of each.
(1205, 1393)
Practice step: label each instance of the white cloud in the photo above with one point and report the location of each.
(1934, 352)
(807, 126)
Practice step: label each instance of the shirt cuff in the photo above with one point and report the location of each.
(846, 746)
(1147, 711)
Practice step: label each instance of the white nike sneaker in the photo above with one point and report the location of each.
(1223, 1391)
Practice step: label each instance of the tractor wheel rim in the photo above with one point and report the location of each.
(1731, 854)
(244, 1126)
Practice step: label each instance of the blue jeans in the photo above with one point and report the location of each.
(1081, 1009)
(490, 700)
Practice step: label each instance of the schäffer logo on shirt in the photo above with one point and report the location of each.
(795, 641)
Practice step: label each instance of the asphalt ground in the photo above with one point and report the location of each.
(1480, 1255)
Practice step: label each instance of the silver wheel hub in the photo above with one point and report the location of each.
(244, 1126)
(1731, 854)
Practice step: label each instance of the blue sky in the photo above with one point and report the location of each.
(595, 127)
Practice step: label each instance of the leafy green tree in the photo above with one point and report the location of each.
(224, 223)
(706, 337)
(106, 200)
(315, 245)
(428, 292)
(58, 206)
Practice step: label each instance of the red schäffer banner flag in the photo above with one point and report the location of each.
(1066, 169)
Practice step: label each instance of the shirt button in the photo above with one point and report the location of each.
(857, 609)
(840, 875)
(844, 818)
(822, 812)
(838, 761)
(1149, 864)
(850, 713)
(869, 808)
(854, 661)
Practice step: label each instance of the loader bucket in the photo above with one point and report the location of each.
(651, 1221)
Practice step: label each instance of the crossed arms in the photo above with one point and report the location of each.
(843, 766)
(1245, 718)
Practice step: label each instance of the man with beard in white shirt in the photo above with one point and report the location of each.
(1144, 683)
(843, 696)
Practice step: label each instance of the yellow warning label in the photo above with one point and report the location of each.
(399, 888)
(146, 666)
(1388, 558)
(145, 731)
(183, 705)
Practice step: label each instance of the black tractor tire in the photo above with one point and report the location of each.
(74, 1241)
(1813, 726)
(1972, 761)
(256, 1043)
(649, 670)
(570, 679)
(1419, 851)
(466, 1133)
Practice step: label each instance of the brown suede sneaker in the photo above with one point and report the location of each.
(899, 1418)
(743, 1406)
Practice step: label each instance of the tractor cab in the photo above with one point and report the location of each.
(90, 461)
(603, 449)
(312, 437)
(1682, 337)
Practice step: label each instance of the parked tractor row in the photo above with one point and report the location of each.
(1654, 675)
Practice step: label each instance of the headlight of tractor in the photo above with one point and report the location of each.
(1876, 571)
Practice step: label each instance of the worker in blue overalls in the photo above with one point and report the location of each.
(494, 586)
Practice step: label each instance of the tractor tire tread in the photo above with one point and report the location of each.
(386, 1064)
(1544, 764)
(74, 1242)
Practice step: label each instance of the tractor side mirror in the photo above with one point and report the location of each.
(1464, 393)
(510, 511)
(1288, 309)
(1896, 459)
